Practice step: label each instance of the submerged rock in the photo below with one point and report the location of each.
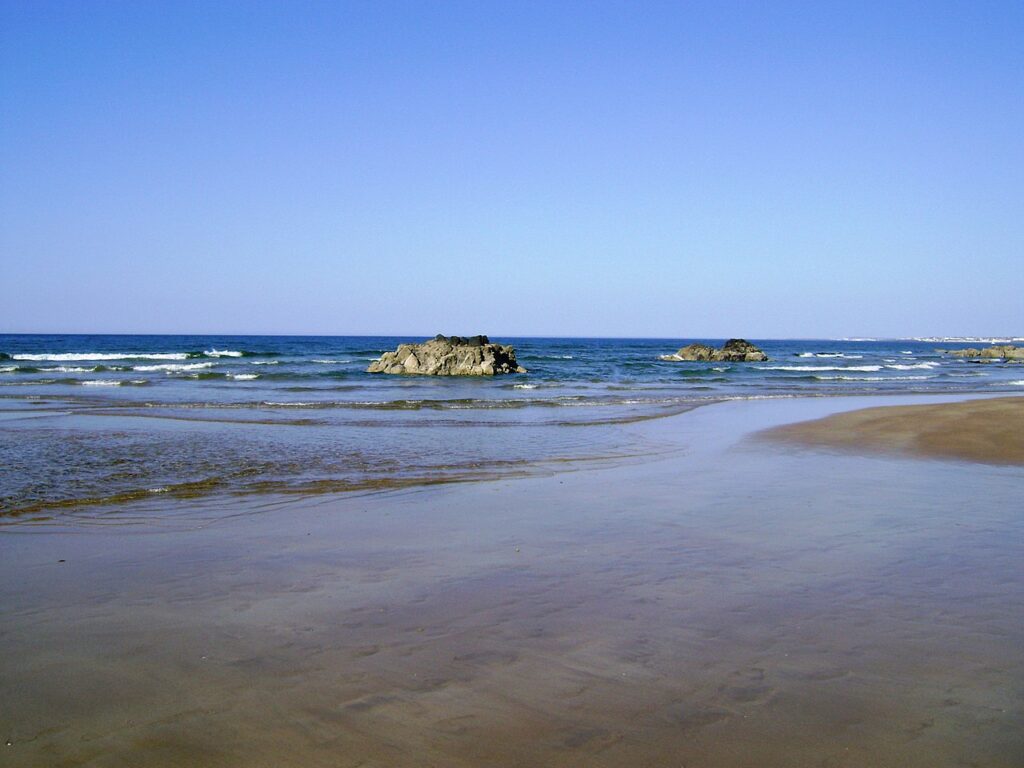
(734, 351)
(693, 352)
(449, 356)
(997, 352)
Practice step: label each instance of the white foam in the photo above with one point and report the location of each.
(222, 353)
(912, 367)
(75, 356)
(1019, 383)
(524, 386)
(873, 378)
(8, 369)
(101, 383)
(244, 376)
(264, 362)
(906, 352)
(830, 354)
(811, 368)
(171, 367)
(330, 362)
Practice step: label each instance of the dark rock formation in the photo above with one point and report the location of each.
(741, 350)
(734, 351)
(449, 356)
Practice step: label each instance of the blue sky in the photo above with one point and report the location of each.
(621, 169)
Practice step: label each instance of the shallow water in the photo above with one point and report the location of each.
(92, 420)
(721, 602)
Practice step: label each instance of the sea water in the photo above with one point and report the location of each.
(89, 420)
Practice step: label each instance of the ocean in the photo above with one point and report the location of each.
(92, 422)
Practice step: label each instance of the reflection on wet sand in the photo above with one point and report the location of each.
(725, 604)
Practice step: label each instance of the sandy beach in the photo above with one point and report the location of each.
(988, 430)
(718, 603)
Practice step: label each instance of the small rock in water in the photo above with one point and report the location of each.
(734, 351)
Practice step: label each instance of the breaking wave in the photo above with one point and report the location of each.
(78, 356)
(914, 366)
(830, 354)
(171, 367)
(84, 356)
(802, 368)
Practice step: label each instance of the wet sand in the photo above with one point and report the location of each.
(723, 603)
(989, 430)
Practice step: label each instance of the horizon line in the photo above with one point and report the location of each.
(853, 338)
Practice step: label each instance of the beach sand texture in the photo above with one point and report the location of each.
(720, 603)
(988, 430)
